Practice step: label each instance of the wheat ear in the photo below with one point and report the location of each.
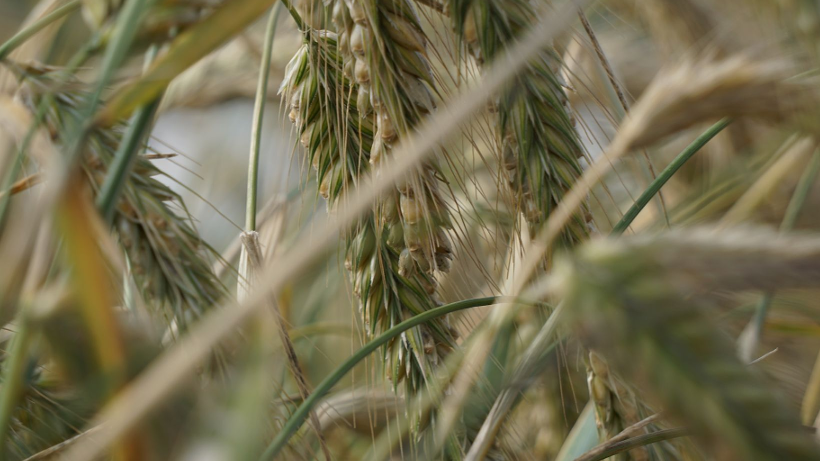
(385, 55)
(339, 139)
(541, 150)
(168, 260)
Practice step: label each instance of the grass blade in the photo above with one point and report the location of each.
(298, 416)
(667, 173)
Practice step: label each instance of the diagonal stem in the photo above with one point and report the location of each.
(667, 174)
(301, 413)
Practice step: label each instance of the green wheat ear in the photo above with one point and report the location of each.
(628, 299)
(385, 54)
(169, 261)
(338, 136)
(540, 147)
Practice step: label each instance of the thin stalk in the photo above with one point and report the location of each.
(128, 149)
(20, 37)
(258, 115)
(793, 210)
(13, 371)
(667, 174)
(300, 24)
(635, 442)
(613, 83)
(298, 417)
(250, 216)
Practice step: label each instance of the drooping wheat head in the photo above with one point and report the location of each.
(540, 153)
(540, 147)
(339, 139)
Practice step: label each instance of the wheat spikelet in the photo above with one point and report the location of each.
(339, 139)
(168, 260)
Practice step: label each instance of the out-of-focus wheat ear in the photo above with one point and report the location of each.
(709, 87)
(169, 261)
(631, 293)
(540, 147)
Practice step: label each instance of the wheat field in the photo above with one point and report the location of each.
(569, 230)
